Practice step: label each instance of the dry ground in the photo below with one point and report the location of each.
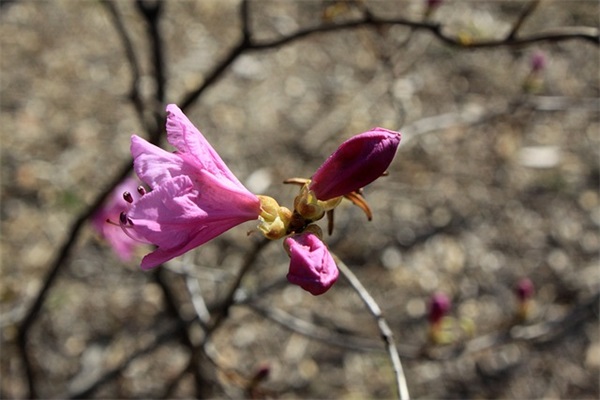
(491, 184)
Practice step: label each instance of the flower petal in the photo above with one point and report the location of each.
(187, 139)
(178, 216)
(122, 244)
(154, 165)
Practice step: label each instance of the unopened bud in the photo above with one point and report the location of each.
(356, 163)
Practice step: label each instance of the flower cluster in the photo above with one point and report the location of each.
(194, 197)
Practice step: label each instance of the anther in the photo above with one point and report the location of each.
(123, 218)
(141, 190)
(128, 197)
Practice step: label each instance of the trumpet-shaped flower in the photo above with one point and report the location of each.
(311, 265)
(106, 219)
(356, 163)
(194, 196)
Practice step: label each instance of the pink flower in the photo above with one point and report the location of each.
(311, 265)
(194, 196)
(106, 219)
(356, 163)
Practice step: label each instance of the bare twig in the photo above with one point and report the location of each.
(529, 9)
(552, 35)
(134, 91)
(229, 299)
(384, 328)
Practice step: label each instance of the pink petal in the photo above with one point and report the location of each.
(122, 244)
(356, 163)
(154, 165)
(311, 265)
(179, 216)
(187, 139)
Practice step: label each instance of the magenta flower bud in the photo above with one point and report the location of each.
(433, 3)
(524, 289)
(356, 163)
(538, 61)
(439, 305)
(311, 265)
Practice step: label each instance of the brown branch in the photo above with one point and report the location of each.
(529, 9)
(554, 35)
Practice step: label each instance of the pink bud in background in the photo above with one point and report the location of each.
(357, 162)
(538, 61)
(311, 265)
(433, 3)
(439, 305)
(431, 6)
(524, 292)
(524, 289)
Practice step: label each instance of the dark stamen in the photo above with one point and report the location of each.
(141, 190)
(123, 218)
(128, 197)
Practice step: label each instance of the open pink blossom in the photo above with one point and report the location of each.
(106, 219)
(311, 265)
(194, 196)
(356, 163)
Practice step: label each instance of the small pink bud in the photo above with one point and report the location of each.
(538, 61)
(439, 305)
(524, 289)
(311, 265)
(357, 162)
(433, 3)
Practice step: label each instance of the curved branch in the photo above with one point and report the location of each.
(384, 328)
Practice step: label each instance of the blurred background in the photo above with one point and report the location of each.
(495, 184)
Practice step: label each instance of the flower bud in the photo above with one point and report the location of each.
(356, 163)
(311, 265)
(439, 305)
(524, 292)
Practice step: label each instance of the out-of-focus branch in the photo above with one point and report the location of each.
(384, 328)
(134, 92)
(166, 336)
(229, 300)
(552, 35)
(529, 9)
(152, 11)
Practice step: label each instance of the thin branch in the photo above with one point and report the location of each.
(134, 91)
(555, 35)
(313, 331)
(529, 9)
(229, 299)
(384, 328)
(151, 11)
(165, 337)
